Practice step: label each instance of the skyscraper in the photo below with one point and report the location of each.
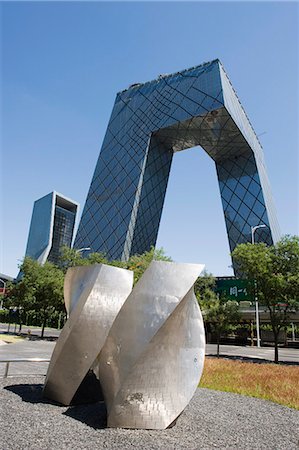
(148, 124)
(52, 226)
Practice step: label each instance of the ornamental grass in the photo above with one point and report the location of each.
(275, 382)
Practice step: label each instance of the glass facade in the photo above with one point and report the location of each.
(52, 226)
(149, 123)
(64, 222)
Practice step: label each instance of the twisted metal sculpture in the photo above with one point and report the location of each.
(151, 362)
(93, 298)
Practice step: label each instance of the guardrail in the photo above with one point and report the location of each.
(19, 360)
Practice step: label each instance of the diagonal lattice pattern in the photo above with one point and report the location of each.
(149, 123)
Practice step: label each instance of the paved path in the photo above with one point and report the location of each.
(289, 355)
(212, 420)
(43, 349)
(26, 349)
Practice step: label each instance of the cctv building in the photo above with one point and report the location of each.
(52, 226)
(149, 123)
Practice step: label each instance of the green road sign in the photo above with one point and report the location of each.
(235, 289)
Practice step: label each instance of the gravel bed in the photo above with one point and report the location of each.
(212, 420)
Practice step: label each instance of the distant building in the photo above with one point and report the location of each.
(52, 226)
(4, 278)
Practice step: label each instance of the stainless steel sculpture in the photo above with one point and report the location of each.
(93, 298)
(152, 360)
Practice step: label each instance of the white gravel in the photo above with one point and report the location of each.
(212, 420)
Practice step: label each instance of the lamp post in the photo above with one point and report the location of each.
(253, 229)
(4, 286)
(257, 318)
(83, 249)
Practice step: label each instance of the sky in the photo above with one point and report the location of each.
(62, 65)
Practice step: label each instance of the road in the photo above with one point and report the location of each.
(43, 349)
(26, 349)
(288, 355)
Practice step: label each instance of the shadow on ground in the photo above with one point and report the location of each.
(94, 415)
(35, 337)
(31, 393)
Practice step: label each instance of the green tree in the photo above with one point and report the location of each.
(139, 263)
(204, 288)
(218, 311)
(40, 289)
(275, 270)
(20, 296)
(221, 314)
(70, 257)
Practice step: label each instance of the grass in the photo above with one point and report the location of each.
(277, 383)
(10, 339)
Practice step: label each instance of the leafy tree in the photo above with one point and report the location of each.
(96, 258)
(275, 270)
(218, 311)
(40, 289)
(21, 296)
(221, 313)
(49, 293)
(204, 288)
(139, 263)
(70, 257)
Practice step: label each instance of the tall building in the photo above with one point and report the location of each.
(149, 123)
(52, 226)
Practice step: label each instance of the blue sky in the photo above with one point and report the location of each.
(63, 64)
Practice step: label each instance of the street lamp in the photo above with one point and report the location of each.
(257, 318)
(253, 229)
(82, 249)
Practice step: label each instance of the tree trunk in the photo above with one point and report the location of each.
(60, 318)
(43, 326)
(20, 322)
(275, 330)
(218, 345)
